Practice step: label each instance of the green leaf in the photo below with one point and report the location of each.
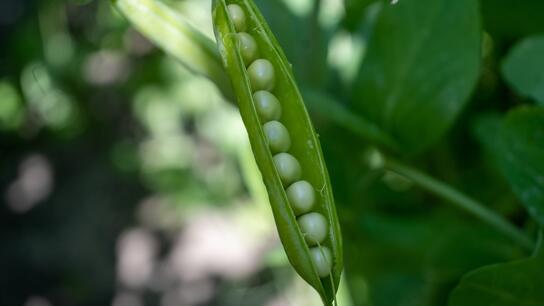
(519, 283)
(522, 136)
(524, 68)
(422, 63)
(173, 33)
(418, 257)
(516, 147)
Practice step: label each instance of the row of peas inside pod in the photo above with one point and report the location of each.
(301, 193)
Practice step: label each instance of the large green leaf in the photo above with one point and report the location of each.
(524, 68)
(423, 61)
(519, 283)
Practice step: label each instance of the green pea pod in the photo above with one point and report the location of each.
(304, 146)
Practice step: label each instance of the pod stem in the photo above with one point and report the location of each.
(460, 200)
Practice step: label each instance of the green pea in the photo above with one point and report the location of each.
(237, 16)
(322, 260)
(314, 227)
(261, 75)
(248, 47)
(267, 105)
(301, 196)
(278, 136)
(266, 91)
(288, 168)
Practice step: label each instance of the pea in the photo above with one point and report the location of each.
(267, 105)
(238, 17)
(288, 168)
(248, 47)
(322, 260)
(278, 136)
(261, 75)
(301, 196)
(284, 143)
(314, 227)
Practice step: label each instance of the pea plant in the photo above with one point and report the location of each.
(431, 120)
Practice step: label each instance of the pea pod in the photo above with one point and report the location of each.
(284, 143)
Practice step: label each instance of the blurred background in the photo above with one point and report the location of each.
(127, 180)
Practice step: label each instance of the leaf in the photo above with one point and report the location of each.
(422, 63)
(519, 283)
(174, 34)
(524, 68)
(516, 145)
(522, 135)
(418, 257)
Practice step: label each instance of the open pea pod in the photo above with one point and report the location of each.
(255, 62)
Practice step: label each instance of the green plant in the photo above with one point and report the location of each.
(403, 119)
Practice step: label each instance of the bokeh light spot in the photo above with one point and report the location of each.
(33, 185)
(136, 251)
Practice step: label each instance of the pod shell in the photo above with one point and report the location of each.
(305, 145)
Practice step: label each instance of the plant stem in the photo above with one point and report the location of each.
(462, 201)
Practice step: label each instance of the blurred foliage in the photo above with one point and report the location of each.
(104, 139)
(521, 279)
(519, 142)
(523, 68)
